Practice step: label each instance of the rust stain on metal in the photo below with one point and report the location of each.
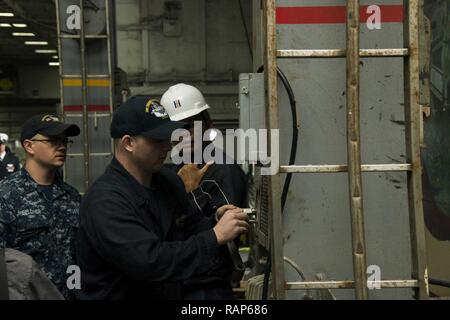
(341, 53)
(412, 118)
(399, 122)
(348, 284)
(353, 149)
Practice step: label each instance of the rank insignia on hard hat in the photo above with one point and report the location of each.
(156, 109)
(177, 104)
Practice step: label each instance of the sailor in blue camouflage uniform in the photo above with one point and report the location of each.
(38, 211)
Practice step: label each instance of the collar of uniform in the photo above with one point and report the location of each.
(138, 190)
(33, 185)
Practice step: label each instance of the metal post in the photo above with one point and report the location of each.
(110, 62)
(60, 58)
(412, 119)
(61, 80)
(354, 151)
(143, 6)
(84, 97)
(275, 221)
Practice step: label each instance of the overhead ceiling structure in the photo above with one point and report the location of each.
(27, 26)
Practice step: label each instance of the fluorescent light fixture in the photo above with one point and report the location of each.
(19, 25)
(6, 14)
(55, 57)
(53, 64)
(23, 34)
(45, 51)
(5, 25)
(36, 43)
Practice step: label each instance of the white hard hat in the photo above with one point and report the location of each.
(182, 101)
(3, 138)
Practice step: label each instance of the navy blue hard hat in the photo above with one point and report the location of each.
(143, 116)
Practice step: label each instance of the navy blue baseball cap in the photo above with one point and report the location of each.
(143, 116)
(48, 125)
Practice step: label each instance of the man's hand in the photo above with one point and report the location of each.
(192, 175)
(221, 211)
(232, 224)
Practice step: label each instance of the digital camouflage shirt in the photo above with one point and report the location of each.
(40, 224)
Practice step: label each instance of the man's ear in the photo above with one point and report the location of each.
(127, 143)
(28, 146)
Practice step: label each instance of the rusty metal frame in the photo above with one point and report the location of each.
(83, 77)
(86, 146)
(108, 12)
(397, 167)
(353, 54)
(341, 53)
(84, 80)
(60, 56)
(61, 73)
(385, 284)
(275, 221)
(412, 133)
(354, 152)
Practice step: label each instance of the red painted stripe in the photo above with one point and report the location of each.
(333, 14)
(91, 108)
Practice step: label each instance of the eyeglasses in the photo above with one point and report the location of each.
(55, 142)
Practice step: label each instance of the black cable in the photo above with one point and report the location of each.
(295, 134)
(287, 181)
(439, 282)
(267, 269)
(92, 5)
(241, 9)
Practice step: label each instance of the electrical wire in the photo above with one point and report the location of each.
(439, 282)
(294, 143)
(241, 9)
(296, 267)
(292, 157)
